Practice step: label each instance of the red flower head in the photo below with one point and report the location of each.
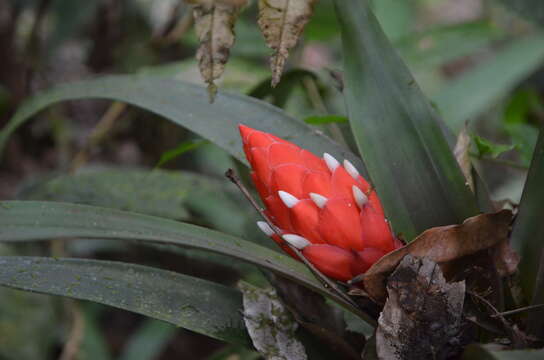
(326, 210)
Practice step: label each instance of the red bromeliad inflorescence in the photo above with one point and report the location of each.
(324, 208)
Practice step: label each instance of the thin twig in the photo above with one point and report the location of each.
(100, 130)
(519, 310)
(325, 281)
(71, 348)
(516, 336)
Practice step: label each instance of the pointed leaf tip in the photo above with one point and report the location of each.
(282, 23)
(214, 25)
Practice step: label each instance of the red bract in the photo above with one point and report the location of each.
(325, 209)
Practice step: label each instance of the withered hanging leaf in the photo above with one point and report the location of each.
(461, 152)
(423, 313)
(270, 325)
(214, 24)
(442, 245)
(282, 23)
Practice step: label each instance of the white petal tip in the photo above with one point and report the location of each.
(331, 162)
(351, 169)
(360, 198)
(319, 200)
(288, 199)
(265, 228)
(297, 241)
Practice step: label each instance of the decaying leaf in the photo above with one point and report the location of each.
(214, 24)
(423, 313)
(461, 152)
(505, 258)
(442, 245)
(282, 23)
(270, 325)
(324, 322)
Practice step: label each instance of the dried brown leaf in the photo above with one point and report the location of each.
(506, 260)
(214, 24)
(442, 245)
(282, 23)
(461, 152)
(423, 314)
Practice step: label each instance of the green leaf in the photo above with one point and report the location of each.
(395, 17)
(195, 304)
(187, 105)
(160, 192)
(25, 316)
(521, 104)
(489, 148)
(32, 221)
(397, 132)
(442, 44)
(148, 341)
(326, 119)
(477, 89)
(279, 95)
(524, 138)
(179, 150)
(528, 229)
(93, 345)
(481, 352)
(531, 9)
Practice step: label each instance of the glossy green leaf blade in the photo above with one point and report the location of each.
(187, 105)
(22, 221)
(163, 193)
(158, 193)
(473, 92)
(528, 230)
(397, 132)
(35, 220)
(148, 341)
(441, 44)
(195, 304)
(530, 9)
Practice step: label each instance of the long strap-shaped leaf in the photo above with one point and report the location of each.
(476, 90)
(195, 304)
(530, 9)
(528, 230)
(187, 105)
(34, 220)
(399, 138)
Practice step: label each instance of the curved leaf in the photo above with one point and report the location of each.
(195, 304)
(397, 132)
(163, 193)
(528, 229)
(530, 9)
(33, 220)
(476, 90)
(187, 105)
